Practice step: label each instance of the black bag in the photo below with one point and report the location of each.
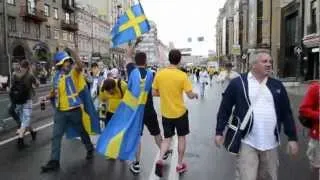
(19, 92)
(306, 122)
(233, 136)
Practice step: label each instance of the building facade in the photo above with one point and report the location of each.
(37, 29)
(150, 44)
(311, 39)
(93, 36)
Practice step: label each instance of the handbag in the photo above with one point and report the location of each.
(235, 128)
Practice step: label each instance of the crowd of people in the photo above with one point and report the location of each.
(253, 110)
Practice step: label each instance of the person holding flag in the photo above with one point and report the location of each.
(121, 138)
(73, 106)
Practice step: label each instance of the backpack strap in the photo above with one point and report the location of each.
(119, 86)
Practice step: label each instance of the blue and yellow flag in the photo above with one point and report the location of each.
(77, 89)
(121, 137)
(132, 24)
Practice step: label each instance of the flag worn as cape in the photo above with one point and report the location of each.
(90, 118)
(121, 137)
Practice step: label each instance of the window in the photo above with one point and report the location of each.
(1, 19)
(46, 10)
(37, 31)
(54, 1)
(11, 2)
(55, 13)
(71, 37)
(56, 34)
(65, 35)
(67, 18)
(12, 24)
(31, 7)
(26, 27)
(313, 17)
(259, 21)
(48, 32)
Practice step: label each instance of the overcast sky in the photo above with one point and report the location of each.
(179, 19)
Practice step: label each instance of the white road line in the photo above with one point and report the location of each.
(152, 175)
(16, 137)
(173, 175)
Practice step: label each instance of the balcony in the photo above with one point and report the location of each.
(69, 26)
(32, 13)
(68, 5)
(312, 28)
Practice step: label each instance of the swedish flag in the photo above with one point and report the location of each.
(121, 137)
(132, 24)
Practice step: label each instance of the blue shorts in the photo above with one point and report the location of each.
(24, 112)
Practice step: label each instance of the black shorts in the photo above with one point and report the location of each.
(181, 124)
(108, 118)
(150, 119)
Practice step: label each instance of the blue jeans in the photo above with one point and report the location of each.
(202, 88)
(62, 121)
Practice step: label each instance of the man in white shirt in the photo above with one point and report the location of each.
(258, 153)
(226, 76)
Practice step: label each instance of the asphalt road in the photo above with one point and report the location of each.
(205, 161)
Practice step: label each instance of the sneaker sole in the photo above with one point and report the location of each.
(158, 170)
(167, 154)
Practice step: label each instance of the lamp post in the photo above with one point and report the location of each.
(5, 39)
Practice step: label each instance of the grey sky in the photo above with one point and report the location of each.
(179, 19)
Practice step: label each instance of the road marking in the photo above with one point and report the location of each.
(152, 175)
(173, 175)
(16, 137)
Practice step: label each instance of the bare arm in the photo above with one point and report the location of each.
(192, 95)
(130, 51)
(78, 63)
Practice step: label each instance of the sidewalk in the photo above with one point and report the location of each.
(296, 88)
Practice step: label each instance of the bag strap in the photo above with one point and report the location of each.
(250, 110)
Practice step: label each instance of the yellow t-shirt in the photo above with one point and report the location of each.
(114, 100)
(66, 103)
(171, 83)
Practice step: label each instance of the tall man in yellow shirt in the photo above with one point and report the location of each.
(170, 84)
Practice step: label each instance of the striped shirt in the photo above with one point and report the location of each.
(262, 135)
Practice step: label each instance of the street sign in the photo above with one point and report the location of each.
(185, 50)
(236, 50)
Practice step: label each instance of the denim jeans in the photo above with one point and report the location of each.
(62, 121)
(24, 112)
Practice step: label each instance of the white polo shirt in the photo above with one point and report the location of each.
(262, 135)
